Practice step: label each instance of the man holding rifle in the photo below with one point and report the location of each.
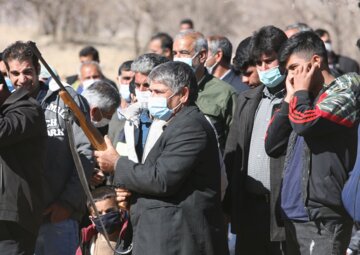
(22, 155)
(64, 196)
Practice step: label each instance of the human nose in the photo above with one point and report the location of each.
(22, 78)
(245, 79)
(263, 66)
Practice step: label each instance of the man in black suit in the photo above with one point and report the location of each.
(175, 202)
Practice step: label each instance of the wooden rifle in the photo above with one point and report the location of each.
(91, 132)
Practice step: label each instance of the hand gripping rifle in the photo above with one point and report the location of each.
(94, 136)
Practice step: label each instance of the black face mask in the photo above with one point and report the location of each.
(112, 222)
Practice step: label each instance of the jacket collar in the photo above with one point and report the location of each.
(255, 92)
(16, 96)
(207, 77)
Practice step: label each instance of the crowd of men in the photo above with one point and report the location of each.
(197, 139)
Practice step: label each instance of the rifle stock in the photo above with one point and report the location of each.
(94, 136)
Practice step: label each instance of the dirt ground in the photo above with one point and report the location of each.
(64, 58)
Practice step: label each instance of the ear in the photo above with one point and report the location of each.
(316, 60)
(185, 91)
(167, 52)
(219, 55)
(203, 56)
(95, 114)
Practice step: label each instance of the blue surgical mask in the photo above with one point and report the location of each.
(158, 108)
(9, 84)
(111, 220)
(125, 92)
(271, 77)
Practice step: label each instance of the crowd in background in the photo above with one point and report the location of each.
(206, 150)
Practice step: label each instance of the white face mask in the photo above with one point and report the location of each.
(102, 123)
(87, 83)
(125, 92)
(211, 69)
(328, 46)
(188, 61)
(142, 97)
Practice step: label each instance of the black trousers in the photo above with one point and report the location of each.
(254, 236)
(15, 240)
(320, 237)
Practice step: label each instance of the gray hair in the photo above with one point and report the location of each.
(102, 95)
(146, 62)
(220, 43)
(199, 41)
(301, 27)
(91, 63)
(176, 75)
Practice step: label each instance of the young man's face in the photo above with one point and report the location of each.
(250, 77)
(267, 61)
(24, 74)
(105, 206)
(84, 59)
(126, 77)
(296, 62)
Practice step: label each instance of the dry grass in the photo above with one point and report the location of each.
(64, 58)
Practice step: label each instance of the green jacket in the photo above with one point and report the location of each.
(217, 99)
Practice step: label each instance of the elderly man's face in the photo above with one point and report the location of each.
(89, 72)
(174, 100)
(185, 48)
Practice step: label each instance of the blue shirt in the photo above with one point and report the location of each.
(145, 123)
(292, 204)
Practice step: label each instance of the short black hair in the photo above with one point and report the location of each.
(165, 39)
(101, 193)
(90, 51)
(321, 32)
(20, 51)
(242, 59)
(265, 41)
(187, 21)
(125, 66)
(307, 43)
